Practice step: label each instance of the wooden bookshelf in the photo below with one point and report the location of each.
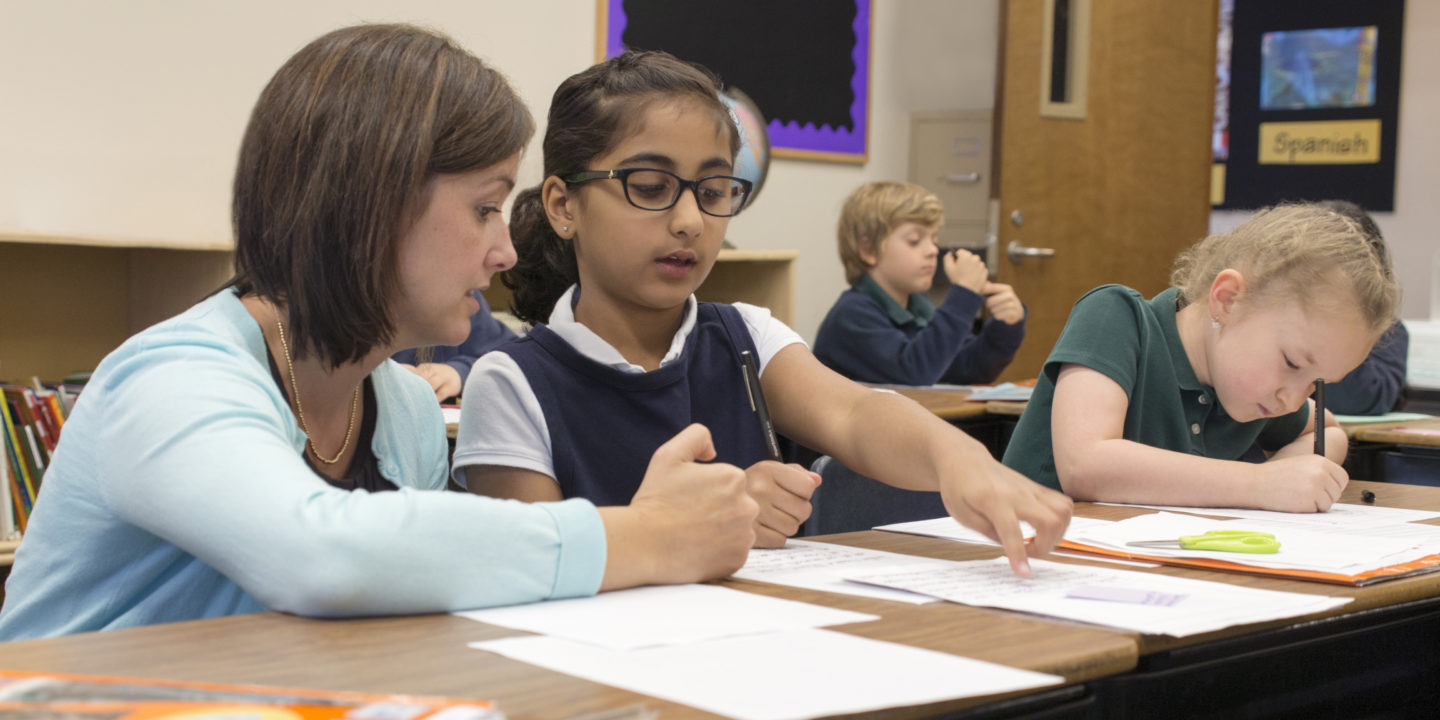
(67, 301)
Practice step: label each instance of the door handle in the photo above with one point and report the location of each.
(1018, 251)
(992, 239)
(961, 178)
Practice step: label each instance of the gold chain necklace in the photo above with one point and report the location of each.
(300, 410)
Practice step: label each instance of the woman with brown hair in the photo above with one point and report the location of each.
(260, 451)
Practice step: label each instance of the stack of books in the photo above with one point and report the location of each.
(30, 423)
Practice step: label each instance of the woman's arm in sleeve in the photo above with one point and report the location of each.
(203, 455)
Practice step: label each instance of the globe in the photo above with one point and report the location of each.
(753, 161)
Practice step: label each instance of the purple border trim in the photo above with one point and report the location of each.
(792, 135)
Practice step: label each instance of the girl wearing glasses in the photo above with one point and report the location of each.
(261, 451)
(612, 245)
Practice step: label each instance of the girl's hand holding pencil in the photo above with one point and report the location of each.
(783, 492)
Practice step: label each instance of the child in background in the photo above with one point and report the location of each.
(445, 367)
(884, 329)
(1375, 387)
(628, 222)
(1154, 401)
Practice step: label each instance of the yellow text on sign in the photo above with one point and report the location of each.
(1327, 142)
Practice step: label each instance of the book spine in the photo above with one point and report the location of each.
(37, 469)
(37, 418)
(18, 480)
(8, 509)
(46, 405)
(57, 411)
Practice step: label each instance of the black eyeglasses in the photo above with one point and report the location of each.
(650, 189)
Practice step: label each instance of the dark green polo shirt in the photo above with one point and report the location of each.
(1136, 343)
(918, 312)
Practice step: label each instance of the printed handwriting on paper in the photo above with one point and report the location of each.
(1147, 602)
(801, 555)
(983, 583)
(1110, 593)
(823, 566)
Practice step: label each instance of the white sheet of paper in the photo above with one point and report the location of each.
(778, 676)
(1302, 547)
(1425, 537)
(1003, 391)
(663, 615)
(1107, 560)
(1340, 516)
(822, 566)
(949, 528)
(1203, 606)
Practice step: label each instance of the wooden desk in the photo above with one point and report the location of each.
(1383, 451)
(1012, 408)
(946, 404)
(1394, 433)
(1380, 652)
(428, 654)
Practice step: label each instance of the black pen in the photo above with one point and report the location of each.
(1320, 417)
(757, 403)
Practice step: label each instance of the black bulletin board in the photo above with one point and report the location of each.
(805, 63)
(1251, 178)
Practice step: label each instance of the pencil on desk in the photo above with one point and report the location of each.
(1320, 417)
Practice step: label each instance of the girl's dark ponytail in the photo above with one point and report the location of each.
(545, 266)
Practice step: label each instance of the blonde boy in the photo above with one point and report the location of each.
(884, 329)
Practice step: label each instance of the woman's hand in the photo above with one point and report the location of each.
(689, 521)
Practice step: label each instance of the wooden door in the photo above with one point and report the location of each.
(1120, 189)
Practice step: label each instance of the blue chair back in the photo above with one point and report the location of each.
(847, 501)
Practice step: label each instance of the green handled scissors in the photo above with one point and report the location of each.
(1241, 541)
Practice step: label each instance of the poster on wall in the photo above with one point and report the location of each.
(804, 63)
(1307, 102)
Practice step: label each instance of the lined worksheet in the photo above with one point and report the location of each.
(1145, 602)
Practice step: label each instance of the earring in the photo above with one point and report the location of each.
(1214, 323)
(565, 228)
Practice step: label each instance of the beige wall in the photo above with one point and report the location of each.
(1413, 229)
(926, 55)
(122, 119)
